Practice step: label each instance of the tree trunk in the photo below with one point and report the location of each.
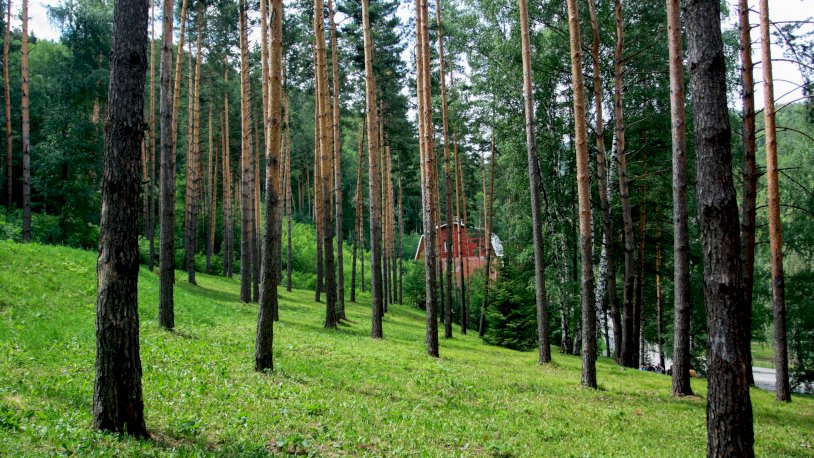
(750, 176)
(604, 282)
(7, 88)
(628, 329)
(247, 174)
(447, 180)
(326, 153)
(638, 321)
(117, 400)
(401, 242)
(534, 188)
(729, 408)
(659, 301)
(193, 157)
(25, 130)
(358, 226)
(166, 255)
(584, 195)
(337, 155)
(681, 244)
(228, 230)
(179, 58)
(212, 179)
(317, 214)
(487, 239)
(427, 176)
(461, 223)
(151, 146)
(289, 201)
(373, 173)
(268, 294)
(781, 360)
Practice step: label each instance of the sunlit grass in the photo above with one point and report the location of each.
(333, 392)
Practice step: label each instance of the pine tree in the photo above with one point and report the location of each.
(7, 87)
(166, 313)
(629, 341)
(117, 399)
(584, 189)
(447, 180)
(268, 295)
(534, 187)
(749, 207)
(337, 161)
(681, 244)
(246, 172)
(781, 359)
(373, 178)
(729, 407)
(25, 130)
(325, 154)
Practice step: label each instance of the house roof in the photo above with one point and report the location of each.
(497, 245)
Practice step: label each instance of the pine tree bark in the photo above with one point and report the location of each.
(268, 292)
(659, 298)
(427, 177)
(729, 408)
(166, 254)
(193, 155)
(401, 241)
(534, 188)
(7, 87)
(487, 240)
(629, 342)
(317, 207)
(117, 399)
(584, 196)
(326, 154)
(359, 225)
(373, 177)
(151, 146)
(781, 359)
(25, 129)
(176, 101)
(638, 321)
(750, 176)
(681, 244)
(228, 228)
(447, 180)
(289, 201)
(337, 159)
(212, 180)
(460, 222)
(247, 174)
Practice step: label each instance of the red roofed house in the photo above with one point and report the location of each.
(474, 250)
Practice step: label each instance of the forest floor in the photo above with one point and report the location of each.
(333, 392)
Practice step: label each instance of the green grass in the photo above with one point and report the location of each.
(333, 392)
(763, 354)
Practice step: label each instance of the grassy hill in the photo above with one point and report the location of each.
(333, 393)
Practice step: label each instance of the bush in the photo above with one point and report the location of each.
(511, 313)
(414, 284)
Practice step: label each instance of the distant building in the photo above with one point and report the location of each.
(473, 249)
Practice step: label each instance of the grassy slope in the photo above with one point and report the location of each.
(333, 392)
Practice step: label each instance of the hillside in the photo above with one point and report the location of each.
(333, 392)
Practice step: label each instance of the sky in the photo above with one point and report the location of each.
(786, 75)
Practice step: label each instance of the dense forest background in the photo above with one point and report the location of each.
(68, 98)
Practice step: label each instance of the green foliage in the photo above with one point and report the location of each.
(511, 314)
(333, 392)
(48, 229)
(415, 290)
